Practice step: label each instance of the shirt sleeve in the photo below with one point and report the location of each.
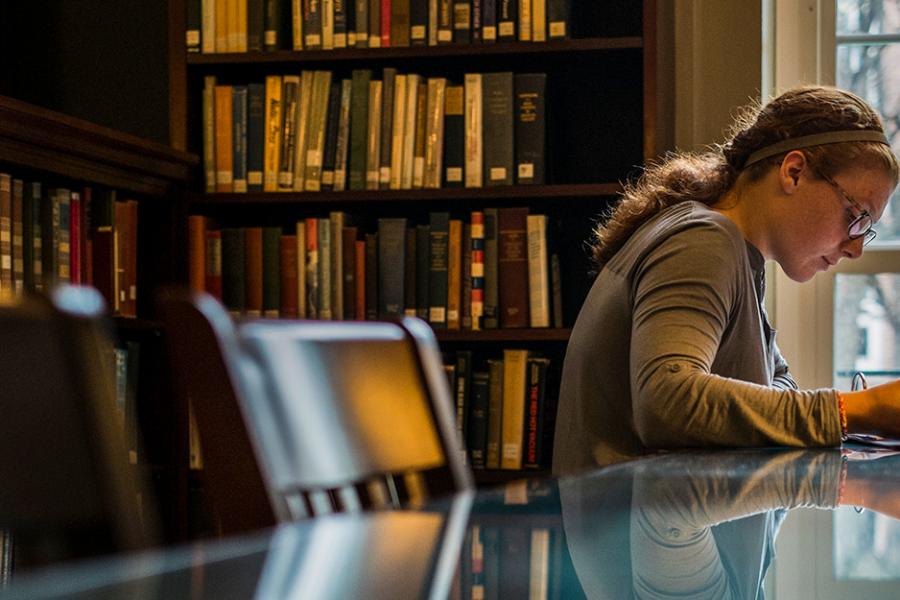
(684, 292)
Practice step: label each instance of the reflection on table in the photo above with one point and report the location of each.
(689, 525)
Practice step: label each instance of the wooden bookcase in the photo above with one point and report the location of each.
(609, 109)
(37, 144)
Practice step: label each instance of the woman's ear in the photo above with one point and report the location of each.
(791, 167)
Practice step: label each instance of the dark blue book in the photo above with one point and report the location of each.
(423, 267)
(256, 130)
(558, 18)
(339, 22)
(478, 418)
(256, 25)
(488, 21)
(391, 260)
(418, 22)
(239, 136)
(193, 22)
(439, 223)
(507, 20)
(331, 134)
(462, 21)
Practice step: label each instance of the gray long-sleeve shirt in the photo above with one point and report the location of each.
(672, 349)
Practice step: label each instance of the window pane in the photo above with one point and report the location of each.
(856, 17)
(864, 546)
(871, 71)
(866, 327)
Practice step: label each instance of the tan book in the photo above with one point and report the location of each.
(208, 26)
(373, 139)
(224, 139)
(337, 220)
(397, 130)
(327, 7)
(272, 151)
(409, 131)
(474, 151)
(434, 132)
(221, 24)
(241, 30)
(454, 273)
(539, 21)
(306, 90)
(538, 277)
(315, 143)
(297, 24)
(209, 132)
(419, 145)
(524, 20)
(514, 385)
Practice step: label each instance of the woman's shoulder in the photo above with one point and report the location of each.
(690, 222)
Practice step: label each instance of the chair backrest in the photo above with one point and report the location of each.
(361, 413)
(207, 372)
(67, 489)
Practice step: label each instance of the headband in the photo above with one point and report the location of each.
(817, 139)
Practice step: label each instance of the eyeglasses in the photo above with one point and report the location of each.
(862, 223)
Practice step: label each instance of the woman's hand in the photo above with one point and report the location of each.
(875, 410)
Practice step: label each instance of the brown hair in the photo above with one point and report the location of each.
(705, 177)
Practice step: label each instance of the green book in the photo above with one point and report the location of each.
(271, 272)
(359, 127)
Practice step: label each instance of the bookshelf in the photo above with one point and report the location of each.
(609, 108)
(40, 145)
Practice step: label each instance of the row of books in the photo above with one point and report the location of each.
(502, 412)
(511, 562)
(51, 235)
(498, 270)
(311, 132)
(216, 26)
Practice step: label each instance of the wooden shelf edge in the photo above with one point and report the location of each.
(512, 192)
(504, 335)
(46, 136)
(594, 44)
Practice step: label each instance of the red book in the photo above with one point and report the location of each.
(212, 272)
(87, 271)
(75, 274)
(289, 300)
(385, 23)
(360, 280)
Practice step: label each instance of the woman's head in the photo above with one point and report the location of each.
(762, 138)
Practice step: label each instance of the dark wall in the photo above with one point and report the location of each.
(100, 60)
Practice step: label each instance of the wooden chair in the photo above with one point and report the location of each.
(361, 414)
(207, 371)
(67, 488)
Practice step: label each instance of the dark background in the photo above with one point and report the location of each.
(100, 60)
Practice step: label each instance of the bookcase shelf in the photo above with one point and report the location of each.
(477, 196)
(504, 335)
(574, 46)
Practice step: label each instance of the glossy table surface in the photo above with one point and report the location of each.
(723, 524)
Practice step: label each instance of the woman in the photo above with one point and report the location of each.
(672, 347)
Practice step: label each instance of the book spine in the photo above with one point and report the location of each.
(360, 280)
(445, 22)
(399, 124)
(18, 239)
(409, 131)
(371, 276)
(272, 154)
(340, 23)
(197, 253)
(327, 7)
(348, 271)
(539, 21)
(207, 26)
(361, 14)
(300, 264)
(239, 137)
(533, 433)
(326, 253)
(318, 116)
(530, 133)
(290, 94)
(433, 22)
(465, 300)
(386, 33)
(337, 220)
(312, 24)
(512, 268)
(359, 126)
(409, 273)
(473, 131)
(331, 135)
(478, 419)
(254, 271)
(558, 16)
(193, 22)
(454, 272)
(454, 136)
(274, 24)
(391, 250)
(476, 14)
(373, 138)
(498, 128)
(491, 280)
(209, 132)
(212, 268)
(387, 122)
(241, 27)
(256, 135)
(343, 139)
(507, 20)
(488, 21)
(514, 386)
(418, 177)
(234, 282)
(434, 132)
(64, 250)
(224, 139)
(312, 268)
(538, 277)
(461, 388)
(462, 21)
(494, 414)
(423, 268)
(297, 25)
(288, 286)
(6, 268)
(477, 270)
(256, 19)
(400, 22)
(524, 20)
(439, 223)
(418, 22)
(303, 122)
(28, 240)
(375, 23)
